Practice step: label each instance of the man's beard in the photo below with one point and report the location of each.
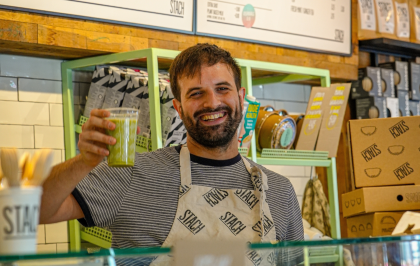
(217, 136)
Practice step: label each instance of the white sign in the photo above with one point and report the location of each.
(170, 14)
(321, 25)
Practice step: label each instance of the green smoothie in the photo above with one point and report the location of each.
(123, 152)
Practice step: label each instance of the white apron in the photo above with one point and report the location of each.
(223, 214)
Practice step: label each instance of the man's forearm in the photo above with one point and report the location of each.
(61, 182)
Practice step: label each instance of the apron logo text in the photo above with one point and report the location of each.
(254, 257)
(191, 222)
(256, 178)
(215, 196)
(268, 225)
(232, 222)
(248, 197)
(183, 189)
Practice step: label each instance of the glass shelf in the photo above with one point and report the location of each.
(403, 250)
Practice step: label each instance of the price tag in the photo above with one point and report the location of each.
(209, 253)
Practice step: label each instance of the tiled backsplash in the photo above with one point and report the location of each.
(31, 117)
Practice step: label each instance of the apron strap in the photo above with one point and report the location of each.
(185, 163)
(251, 170)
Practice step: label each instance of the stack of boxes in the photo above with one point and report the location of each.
(390, 90)
(385, 174)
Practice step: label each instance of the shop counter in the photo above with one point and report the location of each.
(403, 250)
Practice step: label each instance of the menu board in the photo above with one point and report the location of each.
(169, 14)
(317, 25)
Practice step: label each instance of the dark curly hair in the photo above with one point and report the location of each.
(188, 63)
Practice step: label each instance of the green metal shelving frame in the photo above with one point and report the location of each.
(285, 73)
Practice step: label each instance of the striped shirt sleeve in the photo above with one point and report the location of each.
(101, 193)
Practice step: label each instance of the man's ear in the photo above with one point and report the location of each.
(177, 106)
(241, 93)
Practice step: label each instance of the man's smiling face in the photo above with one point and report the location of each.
(211, 106)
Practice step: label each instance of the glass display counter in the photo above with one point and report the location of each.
(385, 251)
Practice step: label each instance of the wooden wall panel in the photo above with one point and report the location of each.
(59, 37)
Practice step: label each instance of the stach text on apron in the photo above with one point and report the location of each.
(223, 214)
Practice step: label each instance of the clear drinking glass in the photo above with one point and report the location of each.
(123, 152)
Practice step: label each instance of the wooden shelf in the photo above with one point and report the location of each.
(390, 47)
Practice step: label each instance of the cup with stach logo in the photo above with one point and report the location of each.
(19, 218)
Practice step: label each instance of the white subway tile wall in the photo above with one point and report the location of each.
(31, 117)
(56, 114)
(17, 136)
(49, 137)
(56, 233)
(8, 89)
(30, 67)
(24, 113)
(41, 91)
(40, 237)
(46, 248)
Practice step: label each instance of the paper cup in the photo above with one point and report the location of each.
(19, 218)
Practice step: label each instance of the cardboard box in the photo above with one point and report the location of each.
(371, 107)
(369, 83)
(414, 108)
(414, 81)
(332, 119)
(400, 72)
(308, 136)
(388, 82)
(373, 224)
(393, 107)
(381, 199)
(404, 103)
(385, 152)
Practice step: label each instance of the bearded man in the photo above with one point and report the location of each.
(201, 190)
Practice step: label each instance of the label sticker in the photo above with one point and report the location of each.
(417, 22)
(286, 138)
(385, 13)
(403, 20)
(367, 15)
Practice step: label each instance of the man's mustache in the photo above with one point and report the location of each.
(226, 108)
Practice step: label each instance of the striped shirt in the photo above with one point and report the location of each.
(138, 204)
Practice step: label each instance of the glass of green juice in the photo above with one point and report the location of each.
(122, 154)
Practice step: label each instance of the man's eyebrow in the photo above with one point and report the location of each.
(223, 83)
(193, 89)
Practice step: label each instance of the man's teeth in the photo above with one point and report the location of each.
(212, 117)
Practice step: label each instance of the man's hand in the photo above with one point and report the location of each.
(93, 139)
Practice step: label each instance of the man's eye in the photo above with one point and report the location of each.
(195, 94)
(223, 88)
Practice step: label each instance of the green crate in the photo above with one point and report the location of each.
(144, 142)
(294, 154)
(243, 151)
(83, 120)
(97, 236)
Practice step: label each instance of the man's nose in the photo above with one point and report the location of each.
(212, 100)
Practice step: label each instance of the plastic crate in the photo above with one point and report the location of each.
(144, 142)
(243, 151)
(294, 154)
(82, 120)
(97, 236)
